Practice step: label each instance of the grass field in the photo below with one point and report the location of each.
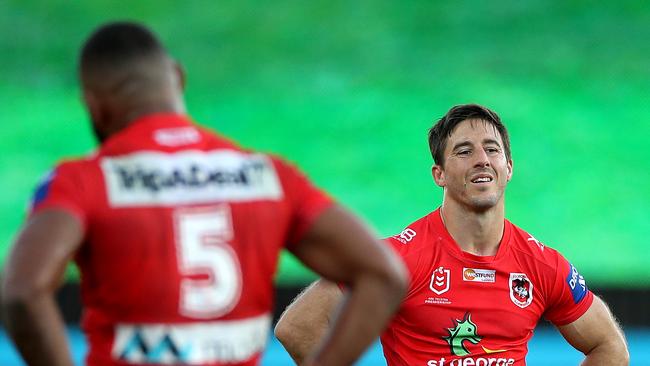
(347, 90)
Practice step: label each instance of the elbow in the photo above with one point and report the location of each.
(396, 278)
(18, 294)
(624, 354)
(283, 331)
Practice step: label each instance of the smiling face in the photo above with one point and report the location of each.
(476, 169)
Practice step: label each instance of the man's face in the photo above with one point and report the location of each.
(476, 170)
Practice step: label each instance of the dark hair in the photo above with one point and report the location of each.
(442, 130)
(117, 43)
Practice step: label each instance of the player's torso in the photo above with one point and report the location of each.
(180, 255)
(463, 310)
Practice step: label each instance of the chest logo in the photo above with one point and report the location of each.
(479, 275)
(521, 290)
(440, 279)
(463, 330)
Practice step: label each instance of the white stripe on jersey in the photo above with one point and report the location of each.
(223, 341)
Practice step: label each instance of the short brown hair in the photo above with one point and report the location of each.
(440, 132)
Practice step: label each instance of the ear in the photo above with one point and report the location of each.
(180, 74)
(510, 164)
(438, 174)
(92, 103)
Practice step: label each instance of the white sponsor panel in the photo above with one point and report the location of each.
(479, 275)
(152, 178)
(228, 341)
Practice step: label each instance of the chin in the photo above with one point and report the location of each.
(483, 204)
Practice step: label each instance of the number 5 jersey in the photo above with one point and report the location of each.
(183, 230)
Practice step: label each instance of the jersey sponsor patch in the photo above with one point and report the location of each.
(440, 280)
(405, 236)
(537, 242)
(229, 341)
(479, 275)
(577, 284)
(42, 189)
(521, 289)
(164, 179)
(176, 136)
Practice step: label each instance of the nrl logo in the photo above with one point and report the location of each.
(464, 330)
(521, 289)
(440, 280)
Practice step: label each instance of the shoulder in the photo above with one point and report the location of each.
(529, 248)
(415, 237)
(66, 168)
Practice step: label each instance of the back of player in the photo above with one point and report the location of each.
(177, 233)
(183, 232)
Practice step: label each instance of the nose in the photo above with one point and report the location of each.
(482, 159)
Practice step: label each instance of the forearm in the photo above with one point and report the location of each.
(37, 330)
(608, 354)
(360, 318)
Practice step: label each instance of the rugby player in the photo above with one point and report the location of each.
(177, 231)
(479, 284)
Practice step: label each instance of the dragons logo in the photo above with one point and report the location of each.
(521, 289)
(464, 330)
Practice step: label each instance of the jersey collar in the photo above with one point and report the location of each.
(435, 221)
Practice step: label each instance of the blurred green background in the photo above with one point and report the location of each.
(347, 90)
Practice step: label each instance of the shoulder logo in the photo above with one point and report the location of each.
(576, 283)
(535, 241)
(440, 279)
(521, 290)
(405, 236)
(43, 189)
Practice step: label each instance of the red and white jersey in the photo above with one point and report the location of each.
(468, 310)
(183, 230)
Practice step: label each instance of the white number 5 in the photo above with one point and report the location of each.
(212, 276)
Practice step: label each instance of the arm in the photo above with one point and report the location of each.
(340, 248)
(306, 321)
(33, 272)
(597, 335)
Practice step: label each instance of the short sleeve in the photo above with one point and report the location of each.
(306, 200)
(61, 189)
(570, 297)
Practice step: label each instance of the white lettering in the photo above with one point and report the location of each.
(469, 361)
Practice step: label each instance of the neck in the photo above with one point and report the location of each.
(121, 119)
(477, 233)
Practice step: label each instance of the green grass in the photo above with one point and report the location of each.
(347, 90)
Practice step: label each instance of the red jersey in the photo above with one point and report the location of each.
(183, 230)
(468, 310)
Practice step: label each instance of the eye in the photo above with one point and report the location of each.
(492, 150)
(464, 152)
